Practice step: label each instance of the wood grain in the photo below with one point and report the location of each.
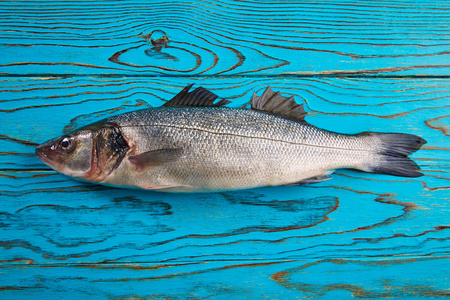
(225, 37)
(297, 279)
(357, 65)
(357, 235)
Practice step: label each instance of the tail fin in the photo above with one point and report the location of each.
(393, 151)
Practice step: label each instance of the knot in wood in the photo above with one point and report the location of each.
(158, 39)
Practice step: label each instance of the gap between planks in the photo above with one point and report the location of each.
(287, 76)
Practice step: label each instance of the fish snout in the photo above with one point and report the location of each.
(42, 151)
(47, 154)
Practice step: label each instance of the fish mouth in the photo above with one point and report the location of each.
(41, 154)
(44, 152)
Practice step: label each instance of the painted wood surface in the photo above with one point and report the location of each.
(195, 37)
(297, 241)
(358, 235)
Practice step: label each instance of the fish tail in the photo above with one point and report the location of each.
(391, 154)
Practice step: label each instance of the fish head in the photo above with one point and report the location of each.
(90, 153)
(69, 154)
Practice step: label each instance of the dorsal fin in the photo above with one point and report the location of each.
(273, 102)
(200, 97)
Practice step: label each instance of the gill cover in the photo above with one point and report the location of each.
(108, 150)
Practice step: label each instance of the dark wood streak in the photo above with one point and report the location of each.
(19, 141)
(115, 58)
(372, 179)
(135, 266)
(15, 153)
(54, 83)
(401, 235)
(139, 103)
(262, 228)
(90, 118)
(72, 189)
(282, 63)
(386, 198)
(184, 274)
(289, 205)
(230, 36)
(375, 71)
(440, 127)
(441, 188)
(237, 54)
(15, 288)
(29, 216)
(61, 208)
(367, 105)
(435, 149)
(46, 172)
(241, 57)
(59, 64)
(8, 244)
(71, 85)
(233, 36)
(406, 207)
(393, 116)
(21, 261)
(68, 45)
(284, 278)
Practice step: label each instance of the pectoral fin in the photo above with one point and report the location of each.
(155, 158)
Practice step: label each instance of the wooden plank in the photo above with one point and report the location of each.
(360, 235)
(46, 219)
(225, 37)
(298, 279)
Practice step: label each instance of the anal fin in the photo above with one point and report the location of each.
(170, 188)
(315, 179)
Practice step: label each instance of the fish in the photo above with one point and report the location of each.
(195, 143)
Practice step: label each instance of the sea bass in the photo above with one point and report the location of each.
(194, 144)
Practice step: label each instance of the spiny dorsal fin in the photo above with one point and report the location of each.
(273, 102)
(200, 97)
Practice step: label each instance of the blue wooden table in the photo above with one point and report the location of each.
(358, 65)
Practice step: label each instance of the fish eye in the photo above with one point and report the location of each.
(66, 144)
